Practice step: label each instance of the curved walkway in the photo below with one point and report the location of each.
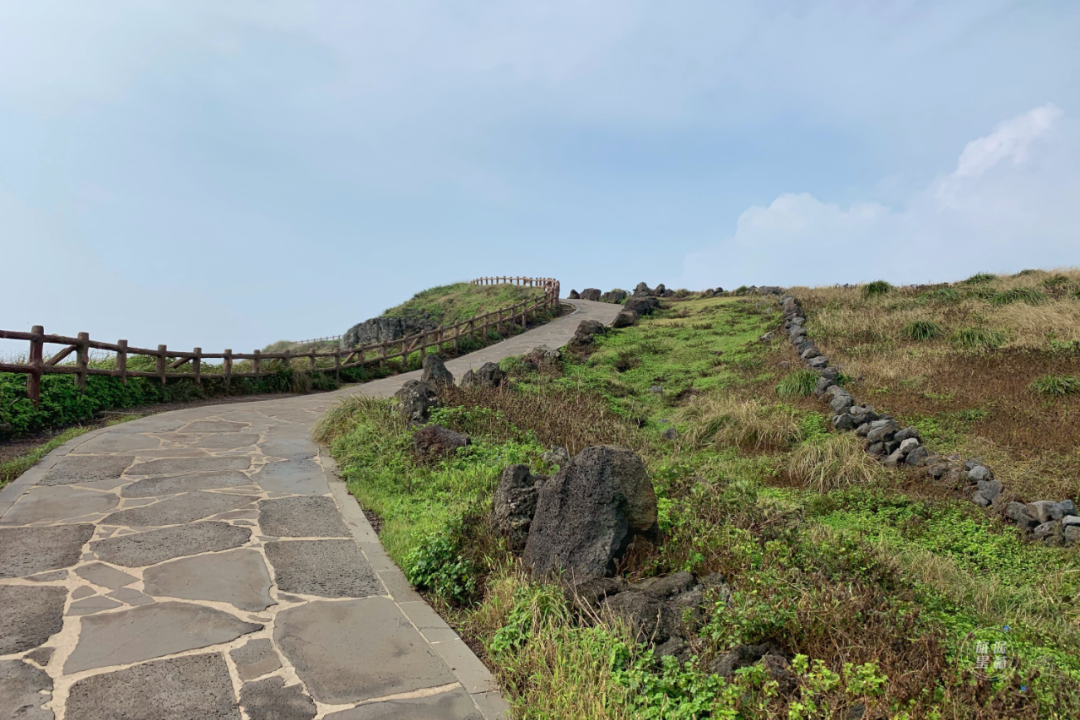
(193, 563)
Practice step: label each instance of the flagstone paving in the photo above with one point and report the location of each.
(208, 563)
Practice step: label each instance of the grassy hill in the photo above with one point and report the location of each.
(868, 580)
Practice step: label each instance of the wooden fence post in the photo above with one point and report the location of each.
(33, 380)
(162, 351)
(227, 363)
(82, 360)
(256, 363)
(196, 366)
(337, 365)
(121, 360)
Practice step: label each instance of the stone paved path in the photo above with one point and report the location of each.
(208, 563)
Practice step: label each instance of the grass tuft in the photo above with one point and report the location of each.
(746, 424)
(980, 279)
(1056, 385)
(923, 330)
(1029, 295)
(978, 338)
(833, 461)
(800, 383)
(878, 287)
(944, 294)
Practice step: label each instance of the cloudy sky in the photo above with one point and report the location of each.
(226, 174)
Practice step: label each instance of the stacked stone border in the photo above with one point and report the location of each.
(1054, 523)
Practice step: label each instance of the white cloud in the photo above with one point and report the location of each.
(986, 215)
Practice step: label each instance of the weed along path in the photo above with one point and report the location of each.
(208, 563)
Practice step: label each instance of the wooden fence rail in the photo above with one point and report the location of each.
(180, 364)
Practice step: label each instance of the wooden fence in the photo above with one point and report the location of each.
(175, 364)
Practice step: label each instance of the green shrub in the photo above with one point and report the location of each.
(1055, 281)
(1056, 385)
(943, 295)
(980, 279)
(438, 567)
(878, 287)
(798, 384)
(1020, 294)
(1029, 271)
(922, 330)
(979, 338)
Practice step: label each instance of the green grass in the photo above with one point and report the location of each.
(451, 304)
(878, 287)
(800, 383)
(1028, 295)
(980, 279)
(975, 338)
(1056, 385)
(13, 468)
(922, 330)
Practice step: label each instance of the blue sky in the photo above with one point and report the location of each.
(229, 174)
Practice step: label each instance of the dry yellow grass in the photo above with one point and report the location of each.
(832, 462)
(746, 424)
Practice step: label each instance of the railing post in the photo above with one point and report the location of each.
(82, 360)
(33, 380)
(162, 351)
(337, 365)
(227, 363)
(311, 362)
(196, 366)
(121, 360)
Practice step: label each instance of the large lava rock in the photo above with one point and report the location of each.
(383, 329)
(613, 296)
(435, 373)
(415, 400)
(589, 512)
(487, 375)
(590, 294)
(435, 441)
(642, 305)
(515, 505)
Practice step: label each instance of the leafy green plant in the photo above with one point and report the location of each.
(800, 383)
(980, 279)
(878, 287)
(439, 567)
(974, 338)
(1056, 385)
(1029, 295)
(922, 330)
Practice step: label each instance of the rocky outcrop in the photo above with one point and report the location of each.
(590, 294)
(574, 295)
(435, 441)
(487, 375)
(626, 318)
(435, 373)
(384, 329)
(588, 514)
(642, 290)
(642, 305)
(515, 504)
(585, 331)
(613, 296)
(415, 401)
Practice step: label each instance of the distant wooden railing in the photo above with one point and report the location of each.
(176, 364)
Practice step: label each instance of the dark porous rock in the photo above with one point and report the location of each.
(1048, 532)
(1068, 507)
(818, 362)
(515, 505)
(863, 414)
(739, 656)
(1072, 534)
(385, 329)
(689, 607)
(844, 421)
(881, 431)
(803, 344)
(823, 384)
(642, 290)
(938, 470)
(593, 591)
(979, 472)
(841, 402)
(416, 400)
(979, 499)
(893, 460)
(708, 293)
(810, 352)
(670, 434)
(675, 647)
(642, 305)
(917, 456)
(876, 449)
(990, 489)
(779, 670)
(625, 319)
(972, 464)
(435, 373)
(1018, 513)
(649, 618)
(586, 329)
(574, 295)
(613, 296)
(863, 430)
(556, 456)
(589, 513)
(435, 441)
(665, 586)
(1044, 511)
(907, 446)
(906, 434)
(831, 372)
(487, 375)
(590, 294)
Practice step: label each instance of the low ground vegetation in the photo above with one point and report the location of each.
(867, 581)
